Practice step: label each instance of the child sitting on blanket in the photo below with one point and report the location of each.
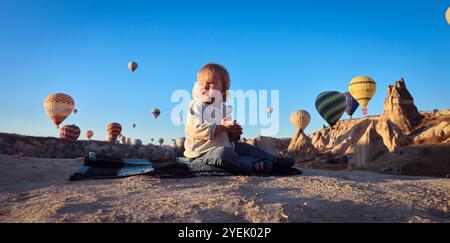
(213, 138)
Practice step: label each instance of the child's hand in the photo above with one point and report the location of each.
(235, 132)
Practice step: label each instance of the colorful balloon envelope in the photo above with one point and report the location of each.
(59, 106)
(156, 113)
(363, 88)
(352, 104)
(69, 133)
(447, 15)
(300, 119)
(331, 106)
(123, 139)
(270, 110)
(180, 142)
(113, 131)
(89, 134)
(132, 66)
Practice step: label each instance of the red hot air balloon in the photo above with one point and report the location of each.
(69, 133)
(113, 131)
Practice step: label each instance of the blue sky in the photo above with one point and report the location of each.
(300, 48)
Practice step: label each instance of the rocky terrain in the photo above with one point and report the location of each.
(402, 142)
(40, 147)
(363, 143)
(37, 190)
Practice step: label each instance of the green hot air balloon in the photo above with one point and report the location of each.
(331, 106)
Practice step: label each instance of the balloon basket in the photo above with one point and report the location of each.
(365, 112)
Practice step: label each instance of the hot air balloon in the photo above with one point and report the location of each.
(352, 104)
(128, 140)
(134, 125)
(270, 110)
(136, 142)
(173, 143)
(363, 88)
(447, 15)
(123, 139)
(89, 134)
(69, 133)
(331, 106)
(300, 119)
(113, 130)
(160, 141)
(180, 142)
(75, 111)
(156, 113)
(152, 140)
(132, 66)
(58, 107)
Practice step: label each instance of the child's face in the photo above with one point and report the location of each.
(208, 86)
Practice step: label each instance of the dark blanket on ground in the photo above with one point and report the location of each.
(104, 167)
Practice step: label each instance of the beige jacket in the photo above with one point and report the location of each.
(200, 129)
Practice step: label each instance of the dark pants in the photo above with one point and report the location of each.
(241, 159)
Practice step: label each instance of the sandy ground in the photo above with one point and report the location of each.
(38, 190)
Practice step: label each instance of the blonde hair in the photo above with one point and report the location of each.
(214, 71)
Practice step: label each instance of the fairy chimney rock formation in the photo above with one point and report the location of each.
(369, 147)
(399, 107)
(301, 147)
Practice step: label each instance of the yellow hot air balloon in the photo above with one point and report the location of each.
(300, 119)
(58, 107)
(363, 88)
(447, 15)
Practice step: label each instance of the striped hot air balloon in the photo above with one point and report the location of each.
(69, 133)
(363, 88)
(89, 134)
(331, 106)
(113, 131)
(58, 107)
(352, 104)
(300, 119)
(132, 66)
